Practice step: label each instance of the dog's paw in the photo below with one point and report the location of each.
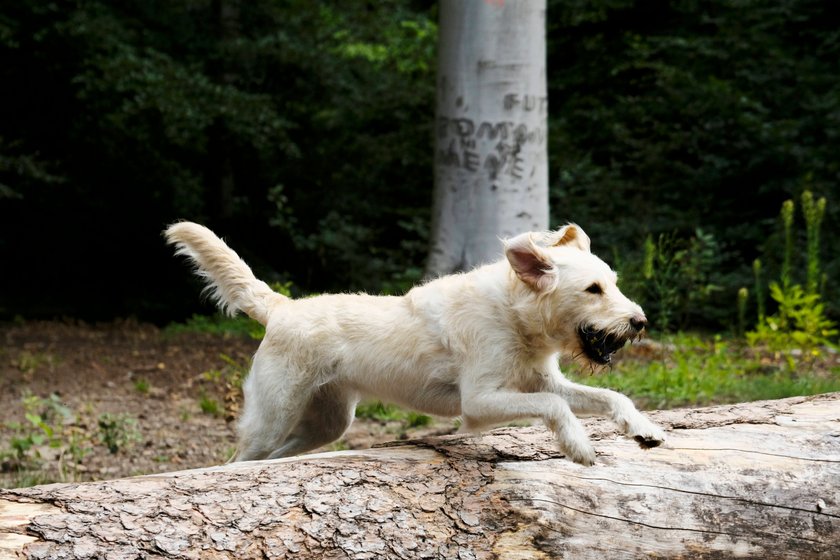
(646, 433)
(580, 452)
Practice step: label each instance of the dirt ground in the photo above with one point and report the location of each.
(172, 401)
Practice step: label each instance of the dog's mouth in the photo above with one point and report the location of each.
(599, 346)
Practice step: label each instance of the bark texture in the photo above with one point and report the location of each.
(754, 480)
(491, 170)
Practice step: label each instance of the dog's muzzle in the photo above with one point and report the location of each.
(599, 346)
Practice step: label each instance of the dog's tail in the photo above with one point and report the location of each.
(230, 282)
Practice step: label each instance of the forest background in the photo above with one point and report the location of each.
(696, 142)
(302, 132)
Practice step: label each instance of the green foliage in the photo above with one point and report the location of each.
(218, 324)
(407, 46)
(339, 445)
(386, 413)
(813, 213)
(142, 386)
(39, 428)
(227, 383)
(693, 370)
(304, 124)
(209, 405)
(27, 362)
(800, 321)
(743, 296)
(232, 375)
(679, 277)
(663, 277)
(301, 130)
(377, 410)
(759, 290)
(417, 420)
(786, 217)
(235, 372)
(118, 432)
(666, 117)
(49, 424)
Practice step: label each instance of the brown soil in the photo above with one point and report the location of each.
(135, 372)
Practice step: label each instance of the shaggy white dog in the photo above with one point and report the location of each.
(482, 345)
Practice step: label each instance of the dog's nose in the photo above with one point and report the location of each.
(638, 322)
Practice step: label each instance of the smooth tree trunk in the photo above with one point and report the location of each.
(491, 170)
(753, 480)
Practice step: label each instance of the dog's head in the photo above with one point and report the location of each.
(574, 294)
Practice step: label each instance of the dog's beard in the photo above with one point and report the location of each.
(599, 345)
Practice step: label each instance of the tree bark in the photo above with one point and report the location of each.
(491, 169)
(753, 480)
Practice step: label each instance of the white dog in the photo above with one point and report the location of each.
(482, 345)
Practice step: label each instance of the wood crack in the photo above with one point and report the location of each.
(684, 491)
(664, 528)
(757, 452)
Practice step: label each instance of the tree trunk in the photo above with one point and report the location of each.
(754, 480)
(491, 169)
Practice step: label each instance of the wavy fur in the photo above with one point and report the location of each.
(230, 282)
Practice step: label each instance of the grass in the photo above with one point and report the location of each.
(692, 370)
(209, 406)
(381, 412)
(232, 374)
(27, 362)
(142, 386)
(118, 432)
(23, 479)
(217, 324)
(239, 325)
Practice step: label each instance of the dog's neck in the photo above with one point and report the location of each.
(530, 332)
(530, 315)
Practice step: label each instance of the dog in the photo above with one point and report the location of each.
(483, 345)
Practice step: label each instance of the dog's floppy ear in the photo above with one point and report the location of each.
(572, 235)
(530, 263)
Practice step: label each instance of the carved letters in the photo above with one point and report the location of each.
(496, 148)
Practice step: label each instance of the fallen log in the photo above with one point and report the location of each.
(751, 480)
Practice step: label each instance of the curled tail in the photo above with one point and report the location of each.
(230, 282)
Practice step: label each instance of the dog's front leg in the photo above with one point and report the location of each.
(484, 408)
(588, 401)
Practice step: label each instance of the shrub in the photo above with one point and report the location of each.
(800, 321)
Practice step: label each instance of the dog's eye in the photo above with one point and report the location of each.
(595, 289)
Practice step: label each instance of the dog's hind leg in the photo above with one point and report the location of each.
(328, 415)
(277, 391)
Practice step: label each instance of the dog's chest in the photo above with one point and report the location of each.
(528, 379)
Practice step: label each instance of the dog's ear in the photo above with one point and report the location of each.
(530, 263)
(572, 235)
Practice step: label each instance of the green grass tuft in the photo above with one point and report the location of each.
(381, 412)
(218, 324)
(209, 405)
(692, 370)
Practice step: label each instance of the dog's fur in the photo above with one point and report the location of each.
(483, 345)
